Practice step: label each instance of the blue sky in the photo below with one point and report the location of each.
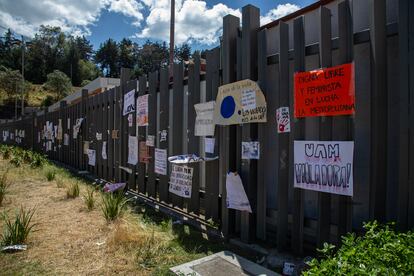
(197, 22)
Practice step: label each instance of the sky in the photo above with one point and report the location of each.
(198, 22)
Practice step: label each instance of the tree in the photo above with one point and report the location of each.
(84, 47)
(107, 57)
(127, 53)
(87, 70)
(10, 81)
(59, 83)
(183, 52)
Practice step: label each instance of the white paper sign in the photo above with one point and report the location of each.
(248, 99)
(324, 166)
(150, 141)
(91, 157)
(209, 145)
(66, 139)
(130, 120)
(98, 136)
(160, 161)
(104, 156)
(129, 102)
(236, 196)
(181, 180)
(76, 127)
(68, 124)
(250, 150)
(132, 150)
(142, 110)
(283, 119)
(163, 135)
(204, 122)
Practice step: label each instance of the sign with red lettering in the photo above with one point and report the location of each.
(325, 92)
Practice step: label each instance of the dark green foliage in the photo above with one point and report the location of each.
(381, 251)
(89, 199)
(4, 186)
(113, 205)
(16, 231)
(50, 175)
(58, 83)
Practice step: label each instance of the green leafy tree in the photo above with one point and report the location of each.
(10, 82)
(183, 52)
(107, 57)
(59, 83)
(88, 70)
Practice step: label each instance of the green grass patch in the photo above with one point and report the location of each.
(18, 229)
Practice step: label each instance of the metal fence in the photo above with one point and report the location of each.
(282, 215)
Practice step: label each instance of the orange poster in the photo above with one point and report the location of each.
(325, 92)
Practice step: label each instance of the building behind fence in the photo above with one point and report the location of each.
(375, 35)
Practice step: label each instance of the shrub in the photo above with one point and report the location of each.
(7, 152)
(38, 160)
(113, 205)
(381, 251)
(16, 231)
(73, 190)
(50, 175)
(89, 199)
(4, 186)
(17, 160)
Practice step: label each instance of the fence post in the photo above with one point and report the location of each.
(141, 138)
(82, 134)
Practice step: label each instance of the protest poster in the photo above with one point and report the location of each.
(325, 92)
(142, 110)
(76, 127)
(66, 139)
(129, 102)
(115, 134)
(239, 103)
(181, 179)
(130, 119)
(163, 135)
(283, 119)
(98, 136)
(68, 124)
(189, 158)
(104, 155)
(85, 147)
(132, 150)
(204, 122)
(250, 150)
(160, 161)
(236, 196)
(150, 140)
(209, 145)
(91, 157)
(144, 155)
(324, 166)
(59, 135)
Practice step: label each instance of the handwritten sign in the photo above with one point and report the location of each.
(325, 92)
(91, 157)
(181, 180)
(129, 102)
(160, 161)
(236, 196)
(283, 119)
(239, 103)
(204, 122)
(324, 166)
(132, 150)
(142, 110)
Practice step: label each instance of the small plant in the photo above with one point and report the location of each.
(50, 175)
(16, 231)
(73, 190)
(17, 160)
(60, 183)
(7, 152)
(4, 186)
(113, 205)
(38, 160)
(89, 199)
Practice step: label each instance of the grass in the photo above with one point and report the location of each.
(4, 186)
(89, 199)
(73, 190)
(113, 205)
(50, 175)
(18, 229)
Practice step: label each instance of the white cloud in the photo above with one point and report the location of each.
(194, 21)
(130, 8)
(280, 11)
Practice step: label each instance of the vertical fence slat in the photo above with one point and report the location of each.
(141, 138)
(152, 130)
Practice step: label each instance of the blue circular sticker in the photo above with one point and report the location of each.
(227, 107)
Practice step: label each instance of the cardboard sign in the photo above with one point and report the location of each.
(132, 150)
(236, 196)
(142, 110)
(160, 161)
(250, 150)
(239, 103)
(144, 156)
(325, 92)
(283, 119)
(181, 180)
(115, 134)
(129, 102)
(324, 166)
(204, 122)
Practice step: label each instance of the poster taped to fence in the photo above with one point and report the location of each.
(325, 92)
(91, 157)
(160, 161)
(66, 139)
(324, 166)
(236, 196)
(150, 140)
(98, 136)
(181, 179)
(209, 145)
(250, 150)
(144, 156)
(129, 102)
(204, 122)
(283, 119)
(239, 103)
(68, 123)
(60, 130)
(132, 150)
(104, 156)
(142, 110)
(76, 127)
(85, 147)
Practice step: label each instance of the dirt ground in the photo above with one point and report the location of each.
(71, 240)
